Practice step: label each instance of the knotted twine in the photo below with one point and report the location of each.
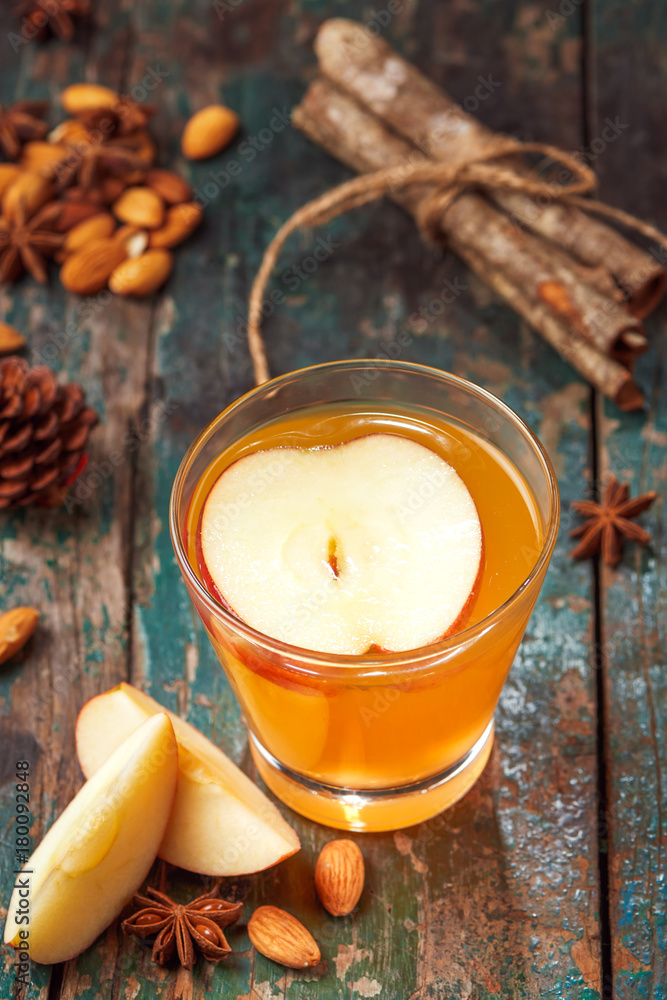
(481, 173)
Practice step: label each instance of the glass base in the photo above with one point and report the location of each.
(373, 809)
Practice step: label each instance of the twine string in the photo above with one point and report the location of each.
(481, 172)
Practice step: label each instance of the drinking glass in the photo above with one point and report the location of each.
(385, 740)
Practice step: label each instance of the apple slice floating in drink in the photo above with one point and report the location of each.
(373, 543)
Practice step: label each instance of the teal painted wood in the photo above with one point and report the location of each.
(630, 46)
(71, 565)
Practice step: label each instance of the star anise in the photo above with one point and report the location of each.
(87, 161)
(24, 243)
(607, 523)
(124, 118)
(181, 927)
(20, 123)
(56, 16)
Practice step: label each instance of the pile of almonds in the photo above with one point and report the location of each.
(89, 195)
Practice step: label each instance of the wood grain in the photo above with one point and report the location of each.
(629, 45)
(70, 564)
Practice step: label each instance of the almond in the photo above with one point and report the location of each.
(142, 275)
(281, 937)
(43, 157)
(82, 96)
(209, 131)
(88, 270)
(110, 189)
(136, 244)
(144, 147)
(10, 339)
(31, 189)
(132, 177)
(74, 212)
(8, 174)
(339, 876)
(79, 193)
(140, 206)
(16, 627)
(135, 240)
(171, 188)
(97, 227)
(69, 133)
(181, 220)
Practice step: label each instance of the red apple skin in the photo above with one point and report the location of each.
(206, 577)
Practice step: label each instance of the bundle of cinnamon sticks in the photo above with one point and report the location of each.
(581, 284)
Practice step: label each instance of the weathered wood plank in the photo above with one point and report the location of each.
(630, 44)
(72, 564)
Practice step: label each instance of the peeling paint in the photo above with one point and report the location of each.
(404, 846)
(558, 409)
(348, 955)
(261, 991)
(132, 987)
(366, 987)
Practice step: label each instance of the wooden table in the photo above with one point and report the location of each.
(548, 880)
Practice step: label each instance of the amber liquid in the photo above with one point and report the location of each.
(394, 727)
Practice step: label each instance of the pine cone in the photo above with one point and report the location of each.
(44, 430)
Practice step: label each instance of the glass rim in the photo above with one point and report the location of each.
(311, 662)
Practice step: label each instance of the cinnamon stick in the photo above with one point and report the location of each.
(366, 67)
(570, 289)
(607, 375)
(516, 264)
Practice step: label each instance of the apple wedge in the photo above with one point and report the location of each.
(99, 850)
(221, 823)
(374, 543)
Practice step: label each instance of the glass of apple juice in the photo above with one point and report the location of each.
(364, 542)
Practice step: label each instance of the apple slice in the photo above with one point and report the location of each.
(220, 823)
(375, 542)
(99, 851)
